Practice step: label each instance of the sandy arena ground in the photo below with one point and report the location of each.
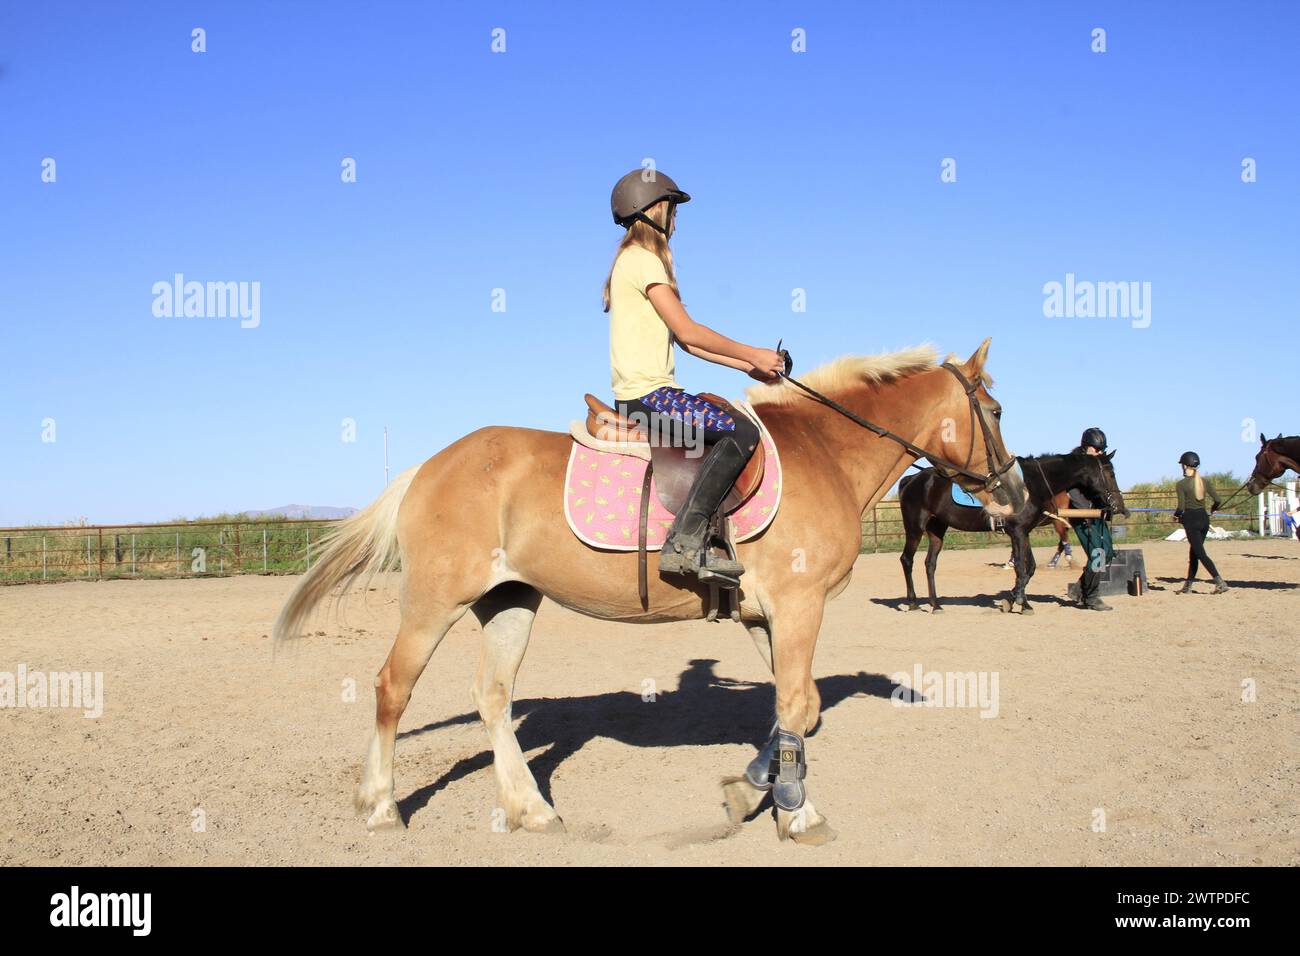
(1137, 713)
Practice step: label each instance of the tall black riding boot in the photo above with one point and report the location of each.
(687, 549)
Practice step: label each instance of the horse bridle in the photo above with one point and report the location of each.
(988, 482)
(1000, 468)
(1277, 460)
(1274, 458)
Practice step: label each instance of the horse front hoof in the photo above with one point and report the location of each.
(1005, 606)
(936, 609)
(552, 825)
(385, 818)
(1026, 609)
(819, 835)
(805, 826)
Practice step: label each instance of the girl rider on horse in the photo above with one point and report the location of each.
(646, 318)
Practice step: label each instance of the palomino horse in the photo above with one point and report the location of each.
(480, 526)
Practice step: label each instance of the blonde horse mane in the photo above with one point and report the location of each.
(850, 370)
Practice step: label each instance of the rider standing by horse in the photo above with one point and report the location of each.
(1093, 534)
(1195, 518)
(646, 317)
(930, 506)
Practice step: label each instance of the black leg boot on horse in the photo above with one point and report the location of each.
(689, 548)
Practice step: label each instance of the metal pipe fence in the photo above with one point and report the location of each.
(191, 549)
(288, 546)
(1151, 517)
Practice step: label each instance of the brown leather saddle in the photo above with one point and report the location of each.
(674, 469)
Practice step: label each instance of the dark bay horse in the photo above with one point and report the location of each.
(925, 500)
(1275, 457)
(1062, 529)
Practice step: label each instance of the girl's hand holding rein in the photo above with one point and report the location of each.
(768, 365)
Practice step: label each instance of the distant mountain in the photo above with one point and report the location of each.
(315, 512)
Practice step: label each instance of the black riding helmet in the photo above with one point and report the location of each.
(1093, 438)
(1190, 460)
(638, 191)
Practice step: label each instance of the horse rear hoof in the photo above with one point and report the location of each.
(740, 798)
(936, 610)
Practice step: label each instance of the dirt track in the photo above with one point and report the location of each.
(1138, 712)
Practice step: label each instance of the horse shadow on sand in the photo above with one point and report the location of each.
(704, 710)
(990, 602)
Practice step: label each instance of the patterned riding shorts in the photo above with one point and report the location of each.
(685, 407)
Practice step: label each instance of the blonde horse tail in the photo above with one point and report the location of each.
(358, 547)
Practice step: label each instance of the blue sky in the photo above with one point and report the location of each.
(479, 170)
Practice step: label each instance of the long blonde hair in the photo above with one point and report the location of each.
(644, 235)
(1199, 484)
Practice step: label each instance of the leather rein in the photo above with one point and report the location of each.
(988, 482)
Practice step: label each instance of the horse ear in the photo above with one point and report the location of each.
(976, 362)
(1111, 455)
(1263, 440)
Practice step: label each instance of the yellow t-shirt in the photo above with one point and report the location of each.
(640, 344)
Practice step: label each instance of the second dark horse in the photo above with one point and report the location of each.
(925, 499)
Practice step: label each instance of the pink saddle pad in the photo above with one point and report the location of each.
(602, 500)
